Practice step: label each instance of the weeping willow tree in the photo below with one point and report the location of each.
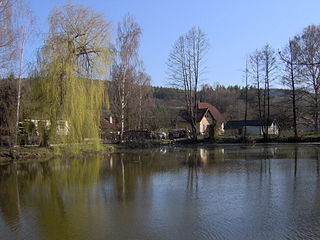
(66, 94)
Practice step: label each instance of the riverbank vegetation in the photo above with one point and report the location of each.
(33, 153)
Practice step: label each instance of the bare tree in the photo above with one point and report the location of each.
(292, 77)
(24, 23)
(6, 35)
(308, 45)
(255, 71)
(262, 69)
(185, 67)
(246, 101)
(269, 69)
(144, 103)
(126, 60)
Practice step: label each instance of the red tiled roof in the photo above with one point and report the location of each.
(213, 110)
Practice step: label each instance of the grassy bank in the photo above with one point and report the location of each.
(34, 152)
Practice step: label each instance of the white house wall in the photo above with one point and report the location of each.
(273, 129)
(205, 122)
(253, 130)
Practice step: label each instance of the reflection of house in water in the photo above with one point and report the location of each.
(253, 152)
(218, 155)
(163, 150)
(204, 155)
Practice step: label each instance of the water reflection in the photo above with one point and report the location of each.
(194, 159)
(209, 192)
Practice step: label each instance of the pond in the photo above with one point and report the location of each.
(210, 192)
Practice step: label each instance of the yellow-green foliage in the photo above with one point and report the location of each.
(64, 88)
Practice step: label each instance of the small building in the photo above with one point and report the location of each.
(207, 115)
(108, 129)
(253, 127)
(63, 128)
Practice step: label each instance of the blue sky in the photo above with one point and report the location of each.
(234, 28)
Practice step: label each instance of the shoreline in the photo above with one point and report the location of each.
(26, 153)
(29, 153)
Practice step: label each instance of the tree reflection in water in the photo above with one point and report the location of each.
(193, 159)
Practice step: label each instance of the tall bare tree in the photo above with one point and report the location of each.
(308, 45)
(255, 72)
(269, 69)
(24, 26)
(144, 101)
(246, 100)
(292, 77)
(263, 69)
(126, 60)
(186, 64)
(6, 35)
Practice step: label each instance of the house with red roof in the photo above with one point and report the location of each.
(207, 115)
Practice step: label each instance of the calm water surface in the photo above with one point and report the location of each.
(225, 192)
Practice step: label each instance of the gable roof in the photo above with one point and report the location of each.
(238, 124)
(201, 113)
(213, 110)
(202, 109)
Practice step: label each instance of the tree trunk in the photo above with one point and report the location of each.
(122, 114)
(246, 106)
(19, 91)
(123, 103)
(140, 108)
(293, 100)
(316, 115)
